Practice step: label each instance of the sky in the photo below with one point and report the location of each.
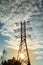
(11, 14)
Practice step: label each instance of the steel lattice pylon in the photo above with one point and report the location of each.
(23, 46)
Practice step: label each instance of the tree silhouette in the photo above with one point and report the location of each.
(3, 57)
(12, 62)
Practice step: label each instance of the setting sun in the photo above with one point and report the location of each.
(22, 56)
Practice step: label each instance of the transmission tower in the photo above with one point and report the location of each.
(23, 54)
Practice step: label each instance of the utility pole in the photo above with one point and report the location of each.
(23, 54)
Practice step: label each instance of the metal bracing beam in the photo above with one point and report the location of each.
(23, 45)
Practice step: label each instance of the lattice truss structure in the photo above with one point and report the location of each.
(23, 54)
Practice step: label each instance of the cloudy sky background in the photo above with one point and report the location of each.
(11, 14)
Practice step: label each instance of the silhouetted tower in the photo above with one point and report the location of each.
(23, 54)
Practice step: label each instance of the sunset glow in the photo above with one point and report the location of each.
(22, 56)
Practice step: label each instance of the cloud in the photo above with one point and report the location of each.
(13, 44)
(0, 53)
(15, 8)
(2, 37)
(39, 58)
(38, 52)
(1, 25)
(41, 43)
(11, 15)
(35, 47)
(12, 47)
(2, 41)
